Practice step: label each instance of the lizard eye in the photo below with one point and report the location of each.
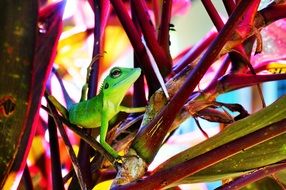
(106, 86)
(116, 72)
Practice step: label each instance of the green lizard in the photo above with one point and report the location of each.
(97, 111)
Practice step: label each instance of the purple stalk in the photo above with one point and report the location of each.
(154, 133)
(66, 140)
(221, 71)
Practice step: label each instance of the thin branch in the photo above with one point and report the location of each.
(194, 52)
(76, 165)
(55, 155)
(89, 140)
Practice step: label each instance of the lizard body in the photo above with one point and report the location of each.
(97, 111)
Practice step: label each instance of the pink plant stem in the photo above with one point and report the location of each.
(263, 65)
(213, 14)
(236, 81)
(273, 12)
(216, 19)
(162, 59)
(194, 52)
(157, 12)
(229, 6)
(135, 40)
(154, 133)
(178, 172)
(163, 35)
(244, 180)
(221, 71)
(139, 98)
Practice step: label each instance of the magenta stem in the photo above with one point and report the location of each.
(229, 6)
(162, 59)
(163, 36)
(213, 14)
(194, 52)
(135, 40)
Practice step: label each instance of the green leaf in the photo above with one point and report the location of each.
(264, 154)
(26, 59)
(260, 155)
(18, 20)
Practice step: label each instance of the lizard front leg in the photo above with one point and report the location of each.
(103, 132)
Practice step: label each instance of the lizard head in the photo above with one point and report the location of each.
(119, 80)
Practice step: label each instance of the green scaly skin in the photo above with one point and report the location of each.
(97, 111)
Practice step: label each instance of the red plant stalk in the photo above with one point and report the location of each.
(153, 134)
(213, 14)
(229, 6)
(104, 6)
(273, 12)
(236, 81)
(138, 46)
(157, 12)
(194, 52)
(162, 59)
(163, 33)
(139, 98)
(270, 14)
(176, 173)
